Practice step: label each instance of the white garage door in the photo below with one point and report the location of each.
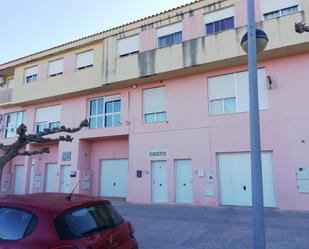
(235, 179)
(50, 176)
(183, 181)
(114, 178)
(18, 180)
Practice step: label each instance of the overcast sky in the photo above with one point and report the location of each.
(29, 26)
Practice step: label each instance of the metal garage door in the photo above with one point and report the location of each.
(50, 176)
(235, 179)
(114, 178)
(18, 179)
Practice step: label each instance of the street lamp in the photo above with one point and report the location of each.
(254, 41)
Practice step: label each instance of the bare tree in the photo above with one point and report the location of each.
(14, 149)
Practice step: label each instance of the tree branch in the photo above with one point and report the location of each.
(4, 147)
(31, 153)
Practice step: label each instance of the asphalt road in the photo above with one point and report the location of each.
(196, 227)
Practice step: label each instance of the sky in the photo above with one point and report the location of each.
(29, 26)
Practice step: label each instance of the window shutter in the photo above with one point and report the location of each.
(31, 71)
(221, 87)
(84, 59)
(48, 114)
(219, 15)
(170, 29)
(270, 6)
(55, 67)
(154, 100)
(128, 45)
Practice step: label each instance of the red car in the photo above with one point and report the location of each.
(61, 221)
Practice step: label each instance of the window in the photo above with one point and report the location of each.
(66, 156)
(219, 26)
(281, 12)
(47, 118)
(12, 122)
(16, 223)
(87, 221)
(170, 39)
(55, 67)
(169, 35)
(154, 105)
(31, 74)
(219, 20)
(84, 60)
(230, 93)
(128, 46)
(104, 112)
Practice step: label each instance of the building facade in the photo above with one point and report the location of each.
(167, 102)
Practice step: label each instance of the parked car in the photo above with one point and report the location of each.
(57, 221)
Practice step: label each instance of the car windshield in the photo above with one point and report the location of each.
(14, 223)
(85, 221)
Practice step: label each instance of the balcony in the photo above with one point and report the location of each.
(202, 54)
(6, 96)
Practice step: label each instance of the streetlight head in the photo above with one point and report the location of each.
(261, 41)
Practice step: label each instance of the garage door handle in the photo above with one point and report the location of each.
(184, 184)
(114, 184)
(244, 187)
(160, 184)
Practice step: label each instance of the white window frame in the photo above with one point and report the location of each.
(104, 115)
(240, 101)
(154, 114)
(32, 76)
(49, 123)
(279, 13)
(61, 61)
(13, 128)
(84, 65)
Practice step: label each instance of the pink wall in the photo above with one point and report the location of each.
(193, 27)
(43, 70)
(148, 40)
(69, 63)
(241, 12)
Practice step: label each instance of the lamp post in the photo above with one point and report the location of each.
(253, 42)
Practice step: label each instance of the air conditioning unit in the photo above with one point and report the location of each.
(2, 80)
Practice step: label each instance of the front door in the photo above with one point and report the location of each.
(183, 181)
(18, 179)
(159, 181)
(65, 178)
(31, 179)
(50, 177)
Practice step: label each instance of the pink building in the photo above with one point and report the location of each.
(167, 101)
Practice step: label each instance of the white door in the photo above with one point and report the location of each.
(235, 179)
(50, 177)
(65, 178)
(159, 181)
(31, 179)
(183, 181)
(18, 179)
(114, 178)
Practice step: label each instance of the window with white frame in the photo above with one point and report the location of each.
(47, 118)
(282, 12)
(55, 67)
(104, 112)
(84, 60)
(219, 21)
(230, 93)
(273, 9)
(128, 46)
(31, 74)
(12, 122)
(154, 105)
(169, 35)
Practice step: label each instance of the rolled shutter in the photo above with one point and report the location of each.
(55, 67)
(154, 100)
(84, 59)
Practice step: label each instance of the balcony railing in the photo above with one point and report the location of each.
(6, 96)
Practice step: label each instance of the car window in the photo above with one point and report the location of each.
(82, 222)
(15, 223)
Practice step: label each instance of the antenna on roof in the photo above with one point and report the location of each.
(69, 197)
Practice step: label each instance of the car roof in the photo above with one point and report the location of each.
(55, 203)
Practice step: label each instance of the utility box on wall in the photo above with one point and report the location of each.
(302, 177)
(85, 179)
